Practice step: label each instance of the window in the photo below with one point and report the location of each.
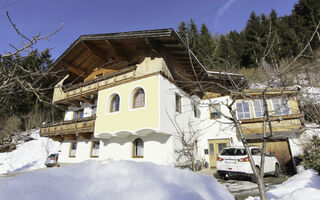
(73, 149)
(178, 104)
(196, 144)
(138, 99)
(215, 111)
(258, 107)
(137, 148)
(94, 110)
(211, 149)
(243, 111)
(95, 148)
(78, 114)
(196, 111)
(115, 103)
(280, 106)
(233, 152)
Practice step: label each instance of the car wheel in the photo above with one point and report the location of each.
(253, 177)
(276, 170)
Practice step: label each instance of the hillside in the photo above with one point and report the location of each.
(29, 155)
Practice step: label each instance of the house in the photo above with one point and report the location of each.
(130, 96)
(286, 121)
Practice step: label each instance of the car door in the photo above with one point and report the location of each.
(269, 163)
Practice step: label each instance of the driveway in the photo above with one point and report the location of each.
(242, 189)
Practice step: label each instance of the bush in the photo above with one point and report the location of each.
(311, 158)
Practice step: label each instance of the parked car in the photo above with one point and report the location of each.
(234, 162)
(52, 160)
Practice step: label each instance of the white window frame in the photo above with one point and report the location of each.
(108, 110)
(73, 152)
(94, 152)
(215, 108)
(134, 98)
(243, 113)
(260, 108)
(196, 111)
(178, 104)
(137, 150)
(279, 109)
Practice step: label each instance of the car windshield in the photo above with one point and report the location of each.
(233, 152)
(255, 151)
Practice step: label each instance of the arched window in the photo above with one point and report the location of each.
(137, 151)
(115, 103)
(138, 98)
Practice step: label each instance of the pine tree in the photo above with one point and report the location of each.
(183, 31)
(207, 47)
(311, 158)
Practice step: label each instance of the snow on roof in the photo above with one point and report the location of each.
(127, 180)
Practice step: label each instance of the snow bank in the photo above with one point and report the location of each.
(29, 155)
(305, 185)
(127, 180)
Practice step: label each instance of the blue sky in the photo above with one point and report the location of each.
(107, 16)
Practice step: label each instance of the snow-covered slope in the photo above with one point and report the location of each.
(127, 180)
(29, 155)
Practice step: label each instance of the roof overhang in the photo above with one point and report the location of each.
(124, 49)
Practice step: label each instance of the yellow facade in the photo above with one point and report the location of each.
(127, 118)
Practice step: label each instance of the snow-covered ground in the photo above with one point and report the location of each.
(305, 185)
(119, 180)
(29, 155)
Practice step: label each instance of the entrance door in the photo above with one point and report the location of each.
(215, 146)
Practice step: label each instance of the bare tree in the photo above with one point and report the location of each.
(186, 153)
(16, 78)
(16, 75)
(277, 72)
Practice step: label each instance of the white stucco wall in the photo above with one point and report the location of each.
(82, 153)
(156, 149)
(167, 108)
(87, 111)
(220, 128)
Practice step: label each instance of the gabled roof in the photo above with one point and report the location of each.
(124, 49)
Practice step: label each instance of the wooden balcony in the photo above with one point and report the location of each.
(283, 126)
(83, 91)
(81, 128)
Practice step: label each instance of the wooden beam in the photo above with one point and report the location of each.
(74, 69)
(84, 135)
(119, 52)
(98, 52)
(69, 137)
(83, 99)
(57, 138)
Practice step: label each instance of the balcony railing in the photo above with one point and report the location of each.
(91, 87)
(283, 126)
(83, 125)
